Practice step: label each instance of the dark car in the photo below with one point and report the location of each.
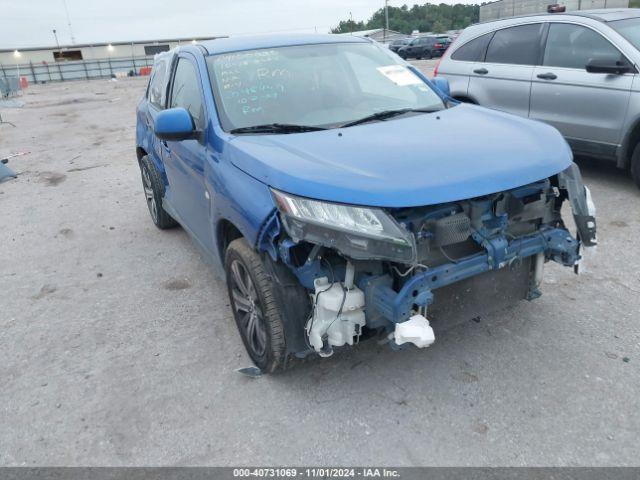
(428, 46)
(398, 44)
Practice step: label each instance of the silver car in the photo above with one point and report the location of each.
(576, 71)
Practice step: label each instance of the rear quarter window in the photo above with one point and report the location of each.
(472, 51)
(516, 45)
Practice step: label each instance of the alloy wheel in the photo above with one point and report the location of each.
(148, 193)
(248, 308)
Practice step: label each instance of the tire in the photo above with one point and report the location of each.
(635, 165)
(154, 193)
(429, 56)
(255, 308)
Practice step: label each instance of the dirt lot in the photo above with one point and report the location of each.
(117, 346)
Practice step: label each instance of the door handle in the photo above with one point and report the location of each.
(548, 76)
(481, 71)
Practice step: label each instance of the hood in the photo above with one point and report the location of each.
(463, 152)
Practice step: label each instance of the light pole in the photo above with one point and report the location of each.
(17, 55)
(386, 21)
(55, 34)
(66, 10)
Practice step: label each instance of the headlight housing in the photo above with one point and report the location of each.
(361, 233)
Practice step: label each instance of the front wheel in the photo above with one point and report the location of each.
(255, 307)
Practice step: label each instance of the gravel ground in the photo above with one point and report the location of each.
(117, 346)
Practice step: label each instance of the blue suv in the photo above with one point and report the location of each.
(344, 196)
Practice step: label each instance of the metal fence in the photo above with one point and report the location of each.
(76, 70)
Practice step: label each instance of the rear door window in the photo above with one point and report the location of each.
(572, 46)
(157, 86)
(516, 45)
(185, 91)
(472, 51)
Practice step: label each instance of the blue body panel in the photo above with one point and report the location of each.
(459, 153)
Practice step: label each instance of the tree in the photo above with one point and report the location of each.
(439, 27)
(347, 26)
(424, 18)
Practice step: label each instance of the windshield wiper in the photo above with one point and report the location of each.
(277, 128)
(383, 115)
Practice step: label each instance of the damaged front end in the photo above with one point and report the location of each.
(373, 270)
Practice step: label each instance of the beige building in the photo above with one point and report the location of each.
(96, 51)
(511, 8)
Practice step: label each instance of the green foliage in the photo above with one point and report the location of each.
(634, 4)
(425, 18)
(347, 26)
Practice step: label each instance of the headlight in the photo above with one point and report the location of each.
(359, 232)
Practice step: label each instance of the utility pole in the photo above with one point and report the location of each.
(73, 40)
(55, 34)
(386, 21)
(351, 22)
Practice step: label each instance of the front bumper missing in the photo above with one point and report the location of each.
(555, 243)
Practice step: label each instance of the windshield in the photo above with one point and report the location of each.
(629, 29)
(313, 85)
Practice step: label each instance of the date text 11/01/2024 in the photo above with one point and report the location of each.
(333, 472)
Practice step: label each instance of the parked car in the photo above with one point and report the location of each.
(575, 71)
(343, 195)
(428, 46)
(397, 44)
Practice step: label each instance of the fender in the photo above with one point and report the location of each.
(625, 150)
(239, 199)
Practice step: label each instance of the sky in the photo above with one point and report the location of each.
(28, 23)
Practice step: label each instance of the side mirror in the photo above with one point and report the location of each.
(442, 84)
(608, 65)
(174, 124)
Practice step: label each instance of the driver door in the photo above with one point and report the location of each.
(588, 108)
(185, 160)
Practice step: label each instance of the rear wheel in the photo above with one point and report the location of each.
(635, 165)
(254, 305)
(154, 193)
(428, 55)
